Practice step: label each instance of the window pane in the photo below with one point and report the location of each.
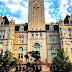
(68, 29)
(54, 54)
(32, 35)
(22, 29)
(18, 55)
(21, 55)
(50, 36)
(22, 42)
(36, 35)
(53, 48)
(4, 31)
(22, 36)
(37, 44)
(38, 49)
(20, 49)
(3, 36)
(50, 41)
(1, 51)
(51, 29)
(51, 55)
(53, 36)
(40, 35)
(39, 54)
(0, 36)
(71, 50)
(1, 23)
(35, 49)
(71, 43)
(53, 40)
(71, 22)
(69, 35)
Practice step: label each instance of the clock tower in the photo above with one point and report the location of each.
(36, 28)
(36, 19)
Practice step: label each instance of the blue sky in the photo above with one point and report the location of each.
(18, 10)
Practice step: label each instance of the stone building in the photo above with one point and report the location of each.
(36, 35)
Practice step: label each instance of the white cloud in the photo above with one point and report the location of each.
(17, 1)
(63, 7)
(13, 7)
(6, 1)
(25, 3)
(17, 21)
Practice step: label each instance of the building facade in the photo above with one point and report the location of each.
(36, 35)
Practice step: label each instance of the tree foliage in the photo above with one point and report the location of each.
(7, 61)
(61, 62)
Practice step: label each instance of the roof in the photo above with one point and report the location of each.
(21, 24)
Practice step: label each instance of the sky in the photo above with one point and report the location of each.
(18, 10)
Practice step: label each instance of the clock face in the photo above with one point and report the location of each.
(36, 5)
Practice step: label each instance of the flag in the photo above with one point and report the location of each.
(39, 61)
(46, 62)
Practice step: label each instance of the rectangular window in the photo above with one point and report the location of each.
(50, 41)
(51, 55)
(1, 51)
(53, 36)
(69, 35)
(21, 55)
(22, 41)
(53, 41)
(50, 36)
(18, 55)
(71, 22)
(54, 54)
(0, 36)
(22, 29)
(3, 36)
(35, 49)
(71, 50)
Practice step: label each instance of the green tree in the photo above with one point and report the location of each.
(61, 62)
(36, 56)
(7, 61)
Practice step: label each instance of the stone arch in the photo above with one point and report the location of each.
(2, 43)
(36, 42)
(53, 46)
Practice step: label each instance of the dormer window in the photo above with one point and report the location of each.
(1, 23)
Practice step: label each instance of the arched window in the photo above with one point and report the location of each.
(37, 48)
(53, 49)
(53, 54)
(36, 35)
(20, 49)
(1, 44)
(40, 35)
(1, 23)
(32, 35)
